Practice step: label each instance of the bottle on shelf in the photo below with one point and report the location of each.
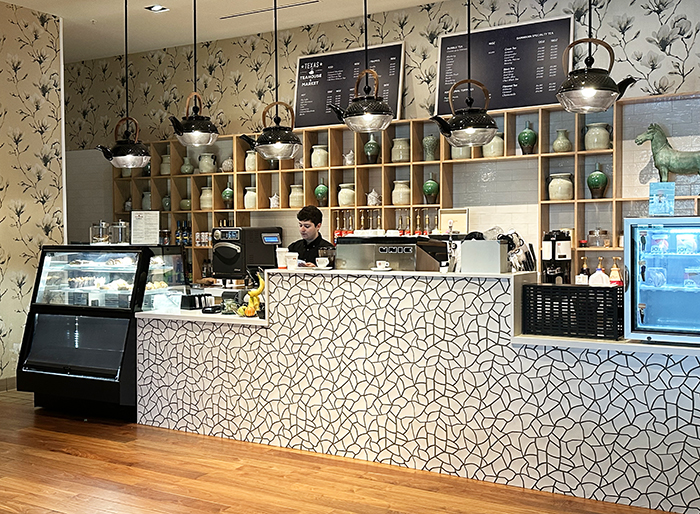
(417, 231)
(615, 277)
(436, 226)
(426, 225)
(178, 234)
(400, 226)
(337, 232)
(599, 278)
(362, 220)
(205, 268)
(585, 273)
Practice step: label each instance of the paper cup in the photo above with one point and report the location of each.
(282, 258)
(292, 262)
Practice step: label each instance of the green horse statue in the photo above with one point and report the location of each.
(666, 158)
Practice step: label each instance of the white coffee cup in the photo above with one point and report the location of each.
(322, 262)
(282, 258)
(382, 264)
(292, 262)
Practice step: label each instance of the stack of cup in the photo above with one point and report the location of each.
(292, 262)
(282, 258)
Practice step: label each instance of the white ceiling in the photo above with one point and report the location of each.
(94, 29)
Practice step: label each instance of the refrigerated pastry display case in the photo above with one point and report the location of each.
(79, 343)
(662, 296)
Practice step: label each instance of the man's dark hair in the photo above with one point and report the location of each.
(310, 213)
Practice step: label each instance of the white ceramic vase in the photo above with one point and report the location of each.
(401, 195)
(346, 196)
(250, 160)
(319, 156)
(493, 148)
(561, 187)
(401, 150)
(597, 136)
(296, 197)
(250, 198)
(206, 200)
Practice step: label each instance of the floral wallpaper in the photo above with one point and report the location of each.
(652, 39)
(31, 178)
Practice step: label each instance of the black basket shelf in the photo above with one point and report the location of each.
(573, 311)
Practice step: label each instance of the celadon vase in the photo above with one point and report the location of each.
(430, 144)
(431, 189)
(372, 150)
(527, 139)
(562, 142)
(561, 187)
(321, 194)
(187, 167)
(597, 182)
(495, 147)
(227, 196)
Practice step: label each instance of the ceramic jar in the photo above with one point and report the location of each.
(597, 182)
(346, 195)
(296, 197)
(187, 167)
(373, 198)
(562, 142)
(430, 145)
(165, 202)
(319, 156)
(227, 165)
(207, 163)
(165, 165)
(495, 147)
(126, 172)
(527, 139)
(185, 204)
(321, 194)
(401, 150)
(431, 189)
(127, 205)
(146, 201)
(401, 195)
(227, 196)
(206, 200)
(250, 198)
(597, 136)
(372, 150)
(460, 152)
(561, 187)
(250, 160)
(274, 201)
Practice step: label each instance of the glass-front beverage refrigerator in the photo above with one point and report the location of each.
(79, 344)
(662, 297)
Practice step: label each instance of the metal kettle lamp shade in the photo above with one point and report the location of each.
(588, 89)
(127, 152)
(471, 126)
(194, 130)
(368, 113)
(278, 142)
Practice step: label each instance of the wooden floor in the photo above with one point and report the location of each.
(57, 463)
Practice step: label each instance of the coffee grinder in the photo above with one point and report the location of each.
(556, 257)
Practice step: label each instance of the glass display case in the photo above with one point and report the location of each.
(80, 337)
(662, 297)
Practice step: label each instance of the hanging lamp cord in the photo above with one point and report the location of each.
(195, 109)
(277, 118)
(367, 89)
(126, 65)
(589, 60)
(470, 100)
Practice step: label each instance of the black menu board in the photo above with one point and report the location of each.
(519, 64)
(328, 78)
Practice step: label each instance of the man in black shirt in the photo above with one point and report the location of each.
(310, 219)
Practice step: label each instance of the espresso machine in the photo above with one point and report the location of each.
(556, 257)
(237, 252)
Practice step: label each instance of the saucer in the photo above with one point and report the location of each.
(321, 268)
(380, 269)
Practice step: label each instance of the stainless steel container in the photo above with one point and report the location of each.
(402, 253)
(100, 233)
(120, 233)
(480, 256)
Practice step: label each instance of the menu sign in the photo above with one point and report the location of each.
(519, 64)
(330, 78)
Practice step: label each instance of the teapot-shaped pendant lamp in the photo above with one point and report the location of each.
(277, 142)
(368, 113)
(194, 129)
(590, 89)
(127, 152)
(471, 126)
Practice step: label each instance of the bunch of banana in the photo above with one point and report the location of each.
(253, 300)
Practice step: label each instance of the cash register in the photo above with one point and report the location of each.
(239, 251)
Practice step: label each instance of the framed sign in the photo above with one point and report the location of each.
(519, 64)
(330, 78)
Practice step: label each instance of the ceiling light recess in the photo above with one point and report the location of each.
(157, 8)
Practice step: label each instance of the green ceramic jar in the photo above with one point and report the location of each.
(227, 196)
(431, 189)
(597, 182)
(321, 194)
(527, 139)
(372, 150)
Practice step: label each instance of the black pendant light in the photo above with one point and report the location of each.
(368, 113)
(194, 129)
(590, 89)
(127, 152)
(471, 126)
(277, 142)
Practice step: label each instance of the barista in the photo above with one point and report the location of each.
(310, 219)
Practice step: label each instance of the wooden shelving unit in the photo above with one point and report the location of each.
(583, 212)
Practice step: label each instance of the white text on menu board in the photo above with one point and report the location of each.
(310, 74)
(547, 50)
